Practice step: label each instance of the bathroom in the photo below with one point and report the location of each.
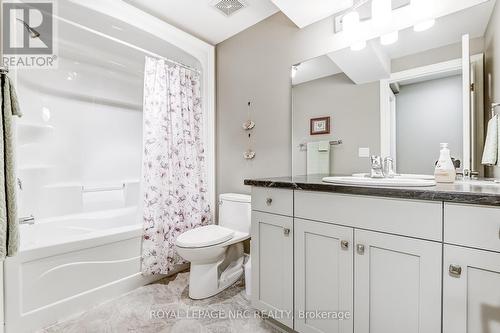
(192, 166)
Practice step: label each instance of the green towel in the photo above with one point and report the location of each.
(9, 233)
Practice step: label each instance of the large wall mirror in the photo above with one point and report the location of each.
(399, 96)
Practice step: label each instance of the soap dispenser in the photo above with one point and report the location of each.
(445, 169)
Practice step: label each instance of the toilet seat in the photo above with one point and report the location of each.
(204, 236)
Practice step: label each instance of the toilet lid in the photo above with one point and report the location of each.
(204, 236)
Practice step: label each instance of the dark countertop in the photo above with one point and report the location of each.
(478, 192)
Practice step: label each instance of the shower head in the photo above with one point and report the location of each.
(33, 32)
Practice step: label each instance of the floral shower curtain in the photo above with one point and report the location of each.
(175, 197)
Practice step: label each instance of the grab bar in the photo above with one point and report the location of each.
(89, 189)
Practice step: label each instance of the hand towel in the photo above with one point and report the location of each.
(9, 234)
(318, 158)
(490, 152)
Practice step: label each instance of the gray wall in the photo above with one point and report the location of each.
(255, 65)
(424, 119)
(355, 118)
(492, 68)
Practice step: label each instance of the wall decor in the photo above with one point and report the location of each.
(320, 126)
(249, 123)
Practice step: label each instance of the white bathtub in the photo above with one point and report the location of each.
(67, 264)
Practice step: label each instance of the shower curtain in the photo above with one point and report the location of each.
(175, 197)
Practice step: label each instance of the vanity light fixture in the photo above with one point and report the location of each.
(389, 38)
(381, 12)
(423, 10)
(350, 24)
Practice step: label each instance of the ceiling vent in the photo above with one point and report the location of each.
(228, 7)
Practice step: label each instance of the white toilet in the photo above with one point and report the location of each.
(216, 251)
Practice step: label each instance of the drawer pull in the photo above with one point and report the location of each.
(360, 248)
(344, 244)
(286, 231)
(269, 201)
(455, 270)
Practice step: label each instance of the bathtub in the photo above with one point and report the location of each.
(68, 264)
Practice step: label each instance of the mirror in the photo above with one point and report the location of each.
(399, 100)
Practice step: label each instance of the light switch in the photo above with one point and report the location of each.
(364, 152)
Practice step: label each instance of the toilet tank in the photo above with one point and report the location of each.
(235, 211)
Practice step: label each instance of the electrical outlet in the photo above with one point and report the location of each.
(364, 152)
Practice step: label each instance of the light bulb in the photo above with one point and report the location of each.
(424, 14)
(389, 38)
(350, 24)
(381, 11)
(295, 69)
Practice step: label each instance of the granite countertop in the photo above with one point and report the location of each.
(478, 192)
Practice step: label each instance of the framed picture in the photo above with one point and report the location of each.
(320, 125)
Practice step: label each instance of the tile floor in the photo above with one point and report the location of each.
(165, 307)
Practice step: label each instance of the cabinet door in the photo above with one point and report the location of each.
(471, 291)
(397, 284)
(323, 277)
(272, 266)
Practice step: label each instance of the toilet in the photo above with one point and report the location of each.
(216, 251)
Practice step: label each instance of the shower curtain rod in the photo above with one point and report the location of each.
(132, 46)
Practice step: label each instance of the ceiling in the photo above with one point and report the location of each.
(199, 18)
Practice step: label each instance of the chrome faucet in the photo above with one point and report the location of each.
(377, 167)
(27, 220)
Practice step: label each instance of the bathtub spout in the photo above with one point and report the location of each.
(27, 220)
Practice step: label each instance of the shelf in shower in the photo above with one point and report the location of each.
(30, 132)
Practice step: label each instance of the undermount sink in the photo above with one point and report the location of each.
(399, 181)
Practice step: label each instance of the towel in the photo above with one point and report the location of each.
(9, 235)
(490, 153)
(318, 157)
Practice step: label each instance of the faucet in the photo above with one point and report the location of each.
(27, 220)
(377, 167)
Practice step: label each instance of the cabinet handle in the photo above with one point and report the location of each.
(286, 231)
(269, 201)
(360, 248)
(455, 270)
(344, 244)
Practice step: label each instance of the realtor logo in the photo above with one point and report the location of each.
(28, 30)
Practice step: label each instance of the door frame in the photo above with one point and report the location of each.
(413, 74)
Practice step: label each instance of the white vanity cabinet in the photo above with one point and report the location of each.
(396, 265)
(323, 276)
(397, 284)
(471, 270)
(272, 265)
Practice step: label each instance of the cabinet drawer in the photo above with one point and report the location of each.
(271, 200)
(474, 226)
(421, 219)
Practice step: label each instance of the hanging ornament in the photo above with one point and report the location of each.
(249, 124)
(249, 154)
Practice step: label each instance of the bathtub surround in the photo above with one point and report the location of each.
(174, 176)
(9, 233)
(147, 309)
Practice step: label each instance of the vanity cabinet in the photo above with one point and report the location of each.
(272, 265)
(397, 284)
(471, 269)
(323, 276)
(471, 290)
(396, 265)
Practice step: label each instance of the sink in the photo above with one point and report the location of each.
(399, 181)
(399, 176)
